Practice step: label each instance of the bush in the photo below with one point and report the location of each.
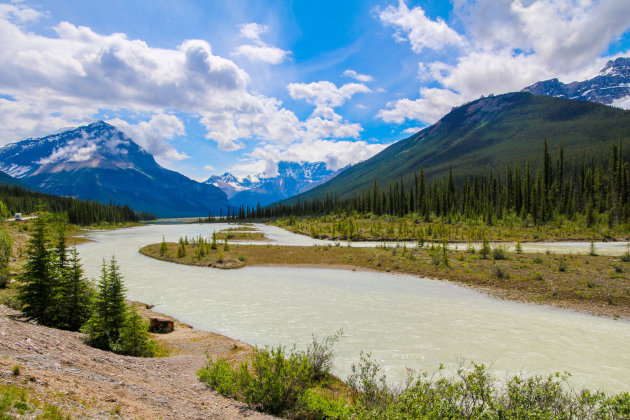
(274, 383)
(314, 405)
(562, 266)
(220, 376)
(499, 253)
(321, 355)
(500, 272)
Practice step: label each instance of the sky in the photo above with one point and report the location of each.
(213, 86)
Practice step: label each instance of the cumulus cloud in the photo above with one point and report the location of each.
(364, 78)
(509, 45)
(411, 130)
(325, 93)
(259, 51)
(64, 80)
(432, 104)
(336, 155)
(152, 135)
(420, 31)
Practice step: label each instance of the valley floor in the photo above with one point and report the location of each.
(57, 370)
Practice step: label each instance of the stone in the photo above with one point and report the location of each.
(161, 325)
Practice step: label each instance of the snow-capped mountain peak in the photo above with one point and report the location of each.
(291, 178)
(610, 87)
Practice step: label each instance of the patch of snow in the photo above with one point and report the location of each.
(622, 102)
(16, 171)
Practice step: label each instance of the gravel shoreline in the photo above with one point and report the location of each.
(85, 382)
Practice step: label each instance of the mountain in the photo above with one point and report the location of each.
(101, 163)
(610, 87)
(9, 180)
(292, 178)
(485, 134)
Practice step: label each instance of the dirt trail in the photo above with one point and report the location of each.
(88, 383)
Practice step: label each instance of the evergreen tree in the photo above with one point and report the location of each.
(104, 326)
(134, 337)
(38, 282)
(77, 294)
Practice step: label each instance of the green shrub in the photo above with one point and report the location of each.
(220, 376)
(314, 405)
(562, 266)
(499, 253)
(321, 354)
(500, 272)
(278, 379)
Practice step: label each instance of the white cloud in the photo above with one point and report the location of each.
(152, 135)
(365, 78)
(411, 130)
(336, 154)
(420, 31)
(208, 167)
(260, 51)
(66, 79)
(510, 45)
(264, 53)
(253, 31)
(325, 93)
(432, 105)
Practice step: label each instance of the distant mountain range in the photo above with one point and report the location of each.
(101, 163)
(292, 178)
(610, 87)
(488, 133)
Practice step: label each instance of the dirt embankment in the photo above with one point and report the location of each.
(57, 368)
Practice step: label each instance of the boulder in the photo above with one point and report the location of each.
(161, 325)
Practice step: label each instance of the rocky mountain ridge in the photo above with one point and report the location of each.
(610, 87)
(292, 178)
(99, 162)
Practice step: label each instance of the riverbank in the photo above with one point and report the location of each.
(52, 371)
(594, 284)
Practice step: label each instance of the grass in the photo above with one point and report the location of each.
(587, 283)
(18, 401)
(368, 227)
(232, 235)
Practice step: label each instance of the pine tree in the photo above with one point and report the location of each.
(77, 294)
(104, 327)
(39, 285)
(134, 337)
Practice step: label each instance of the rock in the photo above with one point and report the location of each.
(161, 325)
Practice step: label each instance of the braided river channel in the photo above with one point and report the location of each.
(403, 321)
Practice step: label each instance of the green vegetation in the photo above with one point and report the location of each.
(282, 382)
(278, 381)
(54, 292)
(591, 200)
(114, 325)
(5, 255)
(17, 401)
(80, 212)
(488, 133)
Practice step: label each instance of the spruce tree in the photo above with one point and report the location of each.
(104, 327)
(38, 282)
(134, 336)
(77, 294)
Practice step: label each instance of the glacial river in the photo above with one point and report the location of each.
(404, 321)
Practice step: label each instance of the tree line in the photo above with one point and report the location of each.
(538, 190)
(55, 292)
(81, 212)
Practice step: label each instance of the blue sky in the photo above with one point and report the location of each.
(215, 86)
